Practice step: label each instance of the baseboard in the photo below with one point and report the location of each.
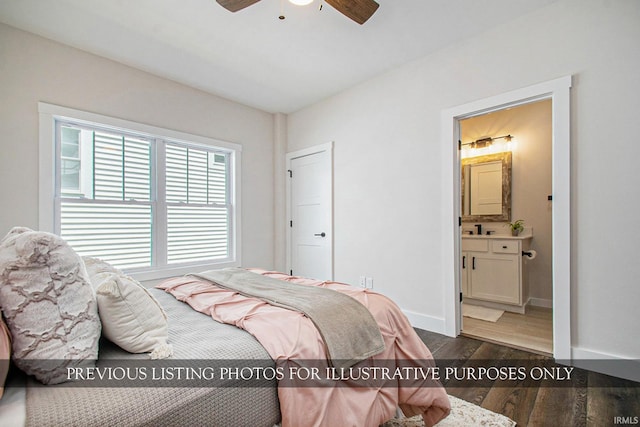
(540, 302)
(604, 363)
(428, 323)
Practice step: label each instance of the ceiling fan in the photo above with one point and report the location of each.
(357, 10)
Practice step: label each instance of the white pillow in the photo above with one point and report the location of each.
(131, 317)
(48, 303)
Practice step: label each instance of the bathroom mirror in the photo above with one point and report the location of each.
(486, 188)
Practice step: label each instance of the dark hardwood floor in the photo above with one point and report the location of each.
(589, 399)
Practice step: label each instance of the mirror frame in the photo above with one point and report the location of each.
(505, 158)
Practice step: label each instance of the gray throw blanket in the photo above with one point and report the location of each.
(350, 332)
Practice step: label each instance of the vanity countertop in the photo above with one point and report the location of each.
(522, 236)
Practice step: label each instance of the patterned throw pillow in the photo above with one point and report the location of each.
(48, 303)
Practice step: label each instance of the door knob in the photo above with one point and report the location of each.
(321, 234)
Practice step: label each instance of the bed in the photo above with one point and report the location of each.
(193, 336)
(188, 305)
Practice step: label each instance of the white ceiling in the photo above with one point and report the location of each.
(251, 56)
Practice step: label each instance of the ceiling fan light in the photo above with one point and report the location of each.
(301, 2)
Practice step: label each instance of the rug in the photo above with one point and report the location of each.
(462, 413)
(482, 313)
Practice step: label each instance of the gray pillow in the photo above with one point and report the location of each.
(48, 303)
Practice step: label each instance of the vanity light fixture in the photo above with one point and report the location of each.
(487, 142)
(487, 145)
(301, 2)
(482, 143)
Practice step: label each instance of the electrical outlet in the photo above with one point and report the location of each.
(363, 282)
(369, 282)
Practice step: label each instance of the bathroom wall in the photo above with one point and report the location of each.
(531, 175)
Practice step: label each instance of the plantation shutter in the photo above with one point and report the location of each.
(113, 204)
(110, 217)
(197, 204)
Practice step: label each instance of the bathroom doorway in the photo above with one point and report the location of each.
(559, 91)
(506, 176)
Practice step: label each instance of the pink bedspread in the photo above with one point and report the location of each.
(288, 336)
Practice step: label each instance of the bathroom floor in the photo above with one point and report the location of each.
(532, 331)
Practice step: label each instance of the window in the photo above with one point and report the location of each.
(197, 210)
(70, 159)
(143, 201)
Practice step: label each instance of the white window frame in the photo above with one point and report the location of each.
(49, 114)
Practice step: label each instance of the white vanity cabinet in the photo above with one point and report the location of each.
(493, 271)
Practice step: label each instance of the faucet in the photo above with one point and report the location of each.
(479, 227)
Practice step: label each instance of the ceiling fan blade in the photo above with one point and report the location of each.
(236, 5)
(357, 10)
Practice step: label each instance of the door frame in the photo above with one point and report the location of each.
(558, 91)
(328, 147)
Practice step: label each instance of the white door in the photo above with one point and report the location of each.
(310, 243)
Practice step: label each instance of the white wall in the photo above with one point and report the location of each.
(34, 69)
(388, 150)
(530, 183)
